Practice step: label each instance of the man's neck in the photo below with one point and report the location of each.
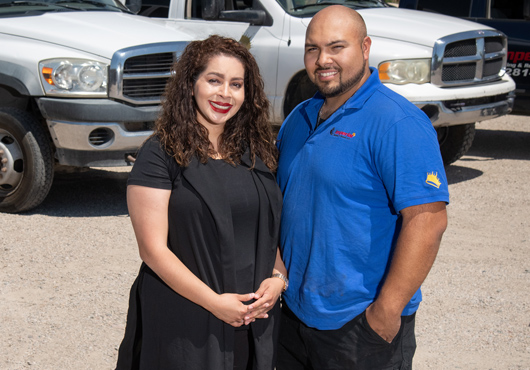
(333, 103)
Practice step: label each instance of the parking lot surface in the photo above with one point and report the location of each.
(66, 268)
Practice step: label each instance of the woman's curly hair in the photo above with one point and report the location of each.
(177, 126)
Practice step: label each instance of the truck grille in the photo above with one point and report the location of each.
(469, 58)
(138, 75)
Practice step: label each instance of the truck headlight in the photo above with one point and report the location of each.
(405, 71)
(74, 77)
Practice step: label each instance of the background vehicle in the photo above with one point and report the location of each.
(81, 81)
(512, 17)
(80, 85)
(425, 57)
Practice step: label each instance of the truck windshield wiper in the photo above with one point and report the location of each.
(93, 2)
(322, 3)
(360, 3)
(367, 3)
(23, 3)
(34, 3)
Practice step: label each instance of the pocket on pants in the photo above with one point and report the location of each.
(375, 352)
(374, 337)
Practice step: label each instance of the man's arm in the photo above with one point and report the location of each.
(415, 252)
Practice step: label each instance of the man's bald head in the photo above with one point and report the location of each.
(336, 54)
(339, 16)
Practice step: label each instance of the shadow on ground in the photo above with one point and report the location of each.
(87, 193)
(498, 144)
(97, 192)
(490, 145)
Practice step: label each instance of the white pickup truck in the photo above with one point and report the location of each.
(454, 70)
(81, 80)
(80, 85)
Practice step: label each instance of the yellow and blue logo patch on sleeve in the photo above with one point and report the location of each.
(433, 180)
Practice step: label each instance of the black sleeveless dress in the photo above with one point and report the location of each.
(223, 225)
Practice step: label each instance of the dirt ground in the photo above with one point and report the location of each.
(66, 268)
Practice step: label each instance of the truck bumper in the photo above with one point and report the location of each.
(461, 105)
(94, 132)
(464, 111)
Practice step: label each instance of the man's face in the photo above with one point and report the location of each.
(336, 58)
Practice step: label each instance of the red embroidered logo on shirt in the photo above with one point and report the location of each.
(338, 133)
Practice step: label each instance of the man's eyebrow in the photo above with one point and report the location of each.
(336, 42)
(328, 44)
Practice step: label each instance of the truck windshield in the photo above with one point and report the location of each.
(22, 7)
(308, 8)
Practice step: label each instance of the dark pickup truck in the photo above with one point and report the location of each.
(512, 17)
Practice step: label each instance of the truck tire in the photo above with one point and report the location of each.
(455, 141)
(26, 161)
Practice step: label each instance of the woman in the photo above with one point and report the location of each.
(205, 211)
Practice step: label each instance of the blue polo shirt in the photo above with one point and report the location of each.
(344, 184)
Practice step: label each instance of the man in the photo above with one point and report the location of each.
(364, 209)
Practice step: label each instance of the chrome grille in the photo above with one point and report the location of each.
(469, 58)
(138, 75)
(458, 72)
(494, 44)
(160, 62)
(144, 88)
(460, 49)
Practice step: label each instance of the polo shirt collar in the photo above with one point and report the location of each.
(355, 102)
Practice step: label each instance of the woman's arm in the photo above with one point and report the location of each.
(148, 209)
(268, 292)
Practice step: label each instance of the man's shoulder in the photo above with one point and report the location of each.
(306, 105)
(391, 104)
(300, 115)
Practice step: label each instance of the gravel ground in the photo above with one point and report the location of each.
(66, 267)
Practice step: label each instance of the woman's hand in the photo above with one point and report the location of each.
(268, 293)
(230, 308)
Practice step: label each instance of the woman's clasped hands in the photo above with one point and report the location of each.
(242, 309)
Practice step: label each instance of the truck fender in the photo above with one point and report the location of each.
(15, 84)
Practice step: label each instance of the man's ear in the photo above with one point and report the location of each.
(366, 44)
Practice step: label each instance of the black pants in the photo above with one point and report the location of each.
(243, 350)
(355, 346)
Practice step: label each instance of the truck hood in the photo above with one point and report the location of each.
(99, 33)
(393, 23)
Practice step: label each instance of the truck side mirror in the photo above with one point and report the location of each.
(211, 9)
(134, 5)
(254, 17)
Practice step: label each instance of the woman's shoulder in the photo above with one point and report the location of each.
(154, 163)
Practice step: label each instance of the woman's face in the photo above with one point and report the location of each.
(219, 90)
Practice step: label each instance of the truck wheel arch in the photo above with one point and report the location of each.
(14, 85)
(300, 88)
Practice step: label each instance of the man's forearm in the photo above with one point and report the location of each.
(414, 255)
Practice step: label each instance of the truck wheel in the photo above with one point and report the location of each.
(26, 161)
(455, 141)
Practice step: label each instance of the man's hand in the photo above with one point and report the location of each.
(386, 325)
